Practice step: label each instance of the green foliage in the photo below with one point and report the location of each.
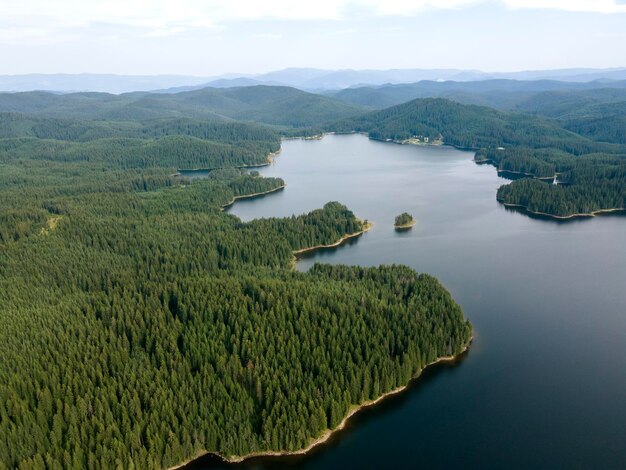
(588, 183)
(139, 323)
(594, 190)
(540, 163)
(172, 143)
(269, 104)
(404, 219)
(597, 114)
(468, 127)
(547, 98)
(606, 128)
(319, 227)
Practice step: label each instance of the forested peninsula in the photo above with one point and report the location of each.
(141, 325)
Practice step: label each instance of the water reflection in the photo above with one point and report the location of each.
(542, 385)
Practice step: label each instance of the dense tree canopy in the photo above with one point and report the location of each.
(140, 323)
(276, 105)
(403, 219)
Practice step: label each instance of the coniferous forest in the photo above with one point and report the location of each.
(140, 324)
(354, 234)
(404, 219)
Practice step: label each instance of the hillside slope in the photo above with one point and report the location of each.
(282, 106)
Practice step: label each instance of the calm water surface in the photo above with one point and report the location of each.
(544, 383)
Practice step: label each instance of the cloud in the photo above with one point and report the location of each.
(586, 6)
(412, 7)
(269, 36)
(158, 18)
(22, 34)
(160, 33)
(344, 31)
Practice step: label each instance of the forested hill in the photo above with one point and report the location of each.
(466, 126)
(597, 114)
(140, 324)
(170, 143)
(595, 171)
(503, 94)
(276, 105)
(595, 109)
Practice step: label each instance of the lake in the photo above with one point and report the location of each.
(544, 382)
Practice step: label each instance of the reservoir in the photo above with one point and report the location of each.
(544, 382)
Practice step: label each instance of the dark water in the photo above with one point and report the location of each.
(544, 383)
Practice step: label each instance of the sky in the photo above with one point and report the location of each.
(210, 37)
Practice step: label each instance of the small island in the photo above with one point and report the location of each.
(404, 221)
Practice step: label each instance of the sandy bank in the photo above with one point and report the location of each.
(405, 226)
(367, 227)
(249, 196)
(565, 217)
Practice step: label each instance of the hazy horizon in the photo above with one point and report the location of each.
(212, 38)
(236, 73)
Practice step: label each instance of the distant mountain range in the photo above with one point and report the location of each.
(276, 105)
(307, 79)
(110, 83)
(504, 94)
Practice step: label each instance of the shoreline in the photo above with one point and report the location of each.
(485, 161)
(565, 217)
(294, 258)
(353, 409)
(269, 161)
(437, 143)
(524, 173)
(308, 137)
(335, 244)
(328, 433)
(405, 226)
(253, 195)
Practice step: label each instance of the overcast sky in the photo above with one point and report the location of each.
(209, 37)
